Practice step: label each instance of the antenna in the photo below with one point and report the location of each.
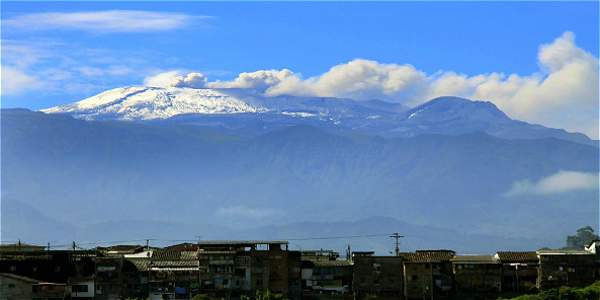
(397, 237)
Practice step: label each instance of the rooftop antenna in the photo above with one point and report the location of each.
(397, 237)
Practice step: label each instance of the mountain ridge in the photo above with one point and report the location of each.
(241, 109)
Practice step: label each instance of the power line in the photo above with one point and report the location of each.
(397, 237)
(336, 237)
(67, 245)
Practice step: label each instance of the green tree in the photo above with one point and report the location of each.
(583, 237)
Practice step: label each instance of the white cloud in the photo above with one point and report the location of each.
(562, 94)
(240, 211)
(259, 80)
(560, 182)
(57, 68)
(176, 79)
(15, 81)
(358, 79)
(102, 21)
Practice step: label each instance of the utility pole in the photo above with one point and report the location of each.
(198, 257)
(149, 256)
(397, 237)
(348, 253)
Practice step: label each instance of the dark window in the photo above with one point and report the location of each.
(80, 288)
(10, 285)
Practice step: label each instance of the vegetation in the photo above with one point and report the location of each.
(591, 292)
(584, 236)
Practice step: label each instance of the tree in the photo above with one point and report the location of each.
(584, 236)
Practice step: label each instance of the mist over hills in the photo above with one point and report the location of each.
(290, 167)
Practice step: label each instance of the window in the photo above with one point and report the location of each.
(79, 288)
(11, 285)
(414, 277)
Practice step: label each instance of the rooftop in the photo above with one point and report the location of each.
(474, 259)
(428, 256)
(19, 278)
(563, 252)
(517, 256)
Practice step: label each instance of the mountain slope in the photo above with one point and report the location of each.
(104, 171)
(257, 114)
(143, 103)
(454, 115)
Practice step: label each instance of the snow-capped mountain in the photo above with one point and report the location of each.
(152, 103)
(146, 103)
(243, 108)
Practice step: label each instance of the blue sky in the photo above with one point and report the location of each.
(51, 56)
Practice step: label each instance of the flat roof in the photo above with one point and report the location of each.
(563, 252)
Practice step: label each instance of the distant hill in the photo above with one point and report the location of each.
(68, 175)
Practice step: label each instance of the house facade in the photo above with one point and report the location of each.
(378, 276)
(428, 274)
(566, 267)
(477, 274)
(519, 270)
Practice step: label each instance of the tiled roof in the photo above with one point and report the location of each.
(19, 278)
(474, 259)
(332, 263)
(182, 247)
(174, 263)
(517, 257)
(141, 264)
(174, 255)
(428, 256)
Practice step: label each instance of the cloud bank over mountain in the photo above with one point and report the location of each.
(563, 93)
(560, 182)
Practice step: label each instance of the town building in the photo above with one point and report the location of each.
(15, 287)
(565, 267)
(477, 274)
(428, 274)
(519, 270)
(380, 277)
